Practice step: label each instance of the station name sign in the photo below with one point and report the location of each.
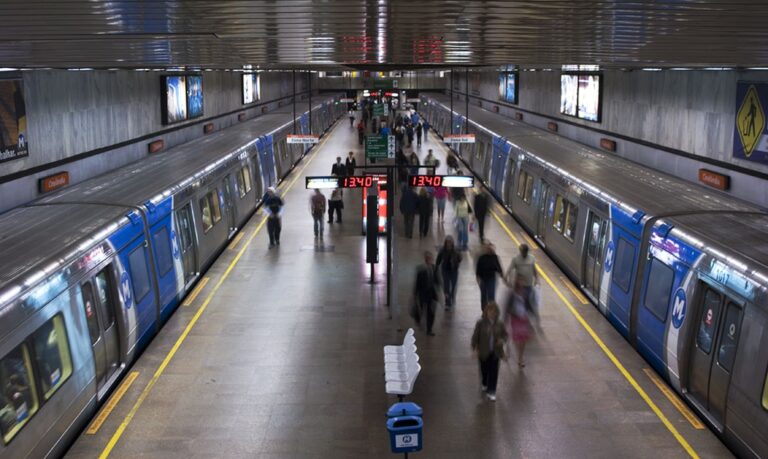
(459, 138)
(714, 179)
(449, 181)
(303, 138)
(53, 182)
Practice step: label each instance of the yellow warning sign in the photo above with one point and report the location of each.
(750, 121)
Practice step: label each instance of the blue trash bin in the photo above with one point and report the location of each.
(405, 433)
(404, 409)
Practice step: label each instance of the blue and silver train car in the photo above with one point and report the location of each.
(645, 247)
(89, 274)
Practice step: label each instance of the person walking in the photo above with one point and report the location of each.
(488, 267)
(432, 162)
(336, 203)
(441, 195)
(462, 210)
(338, 169)
(350, 163)
(273, 206)
(453, 164)
(409, 133)
(425, 129)
(425, 291)
(488, 344)
(317, 205)
(517, 319)
(449, 259)
(425, 212)
(351, 118)
(360, 132)
(409, 204)
(522, 268)
(413, 160)
(481, 211)
(418, 130)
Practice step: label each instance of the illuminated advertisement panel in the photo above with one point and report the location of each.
(175, 98)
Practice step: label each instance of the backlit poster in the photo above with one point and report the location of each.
(750, 127)
(13, 120)
(502, 84)
(248, 89)
(510, 93)
(175, 98)
(194, 96)
(589, 97)
(569, 93)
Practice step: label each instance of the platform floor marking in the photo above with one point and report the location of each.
(234, 242)
(198, 288)
(112, 403)
(675, 400)
(161, 369)
(611, 356)
(574, 290)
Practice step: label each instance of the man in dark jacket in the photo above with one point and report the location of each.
(338, 169)
(273, 206)
(426, 291)
(488, 267)
(481, 211)
(409, 204)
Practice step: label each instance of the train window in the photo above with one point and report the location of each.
(528, 188)
(244, 181)
(559, 220)
(729, 337)
(89, 306)
(138, 262)
(660, 279)
(765, 392)
(594, 236)
(209, 207)
(104, 290)
(571, 216)
(625, 259)
(710, 312)
(52, 358)
(18, 399)
(163, 250)
(521, 183)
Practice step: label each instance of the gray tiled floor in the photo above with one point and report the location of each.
(286, 361)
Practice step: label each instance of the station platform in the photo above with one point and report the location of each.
(279, 355)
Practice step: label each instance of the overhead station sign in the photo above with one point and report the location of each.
(750, 138)
(459, 138)
(347, 100)
(303, 138)
(379, 147)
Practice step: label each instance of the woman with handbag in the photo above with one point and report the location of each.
(488, 344)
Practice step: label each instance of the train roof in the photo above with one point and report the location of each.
(627, 182)
(36, 239)
(143, 180)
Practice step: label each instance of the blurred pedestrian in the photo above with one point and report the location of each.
(409, 204)
(522, 268)
(409, 133)
(350, 164)
(449, 259)
(336, 203)
(338, 169)
(452, 163)
(488, 267)
(425, 291)
(413, 161)
(481, 211)
(418, 130)
(517, 319)
(432, 162)
(425, 129)
(488, 344)
(273, 206)
(441, 195)
(351, 118)
(425, 212)
(317, 206)
(462, 211)
(361, 132)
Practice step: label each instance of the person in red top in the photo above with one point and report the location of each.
(441, 194)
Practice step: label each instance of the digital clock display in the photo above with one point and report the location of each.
(352, 181)
(331, 181)
(449, 181)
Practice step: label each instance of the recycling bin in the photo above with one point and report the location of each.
(405, 433)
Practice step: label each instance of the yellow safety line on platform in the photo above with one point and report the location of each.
(112, 403)
(611, 356)
(198, 288)
(675, 400)
(148, 388)
(574, 290)
(234, 242)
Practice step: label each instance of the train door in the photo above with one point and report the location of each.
(99, 305)
(186, 236)
(712, 357)
(594, 243)
(508, 183)
(229, 205)
(541, 222)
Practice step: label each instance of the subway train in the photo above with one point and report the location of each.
(680, 270)
(89, 274)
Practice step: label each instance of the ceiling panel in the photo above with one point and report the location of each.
(305, 33)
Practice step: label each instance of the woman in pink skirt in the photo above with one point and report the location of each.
(517, 320)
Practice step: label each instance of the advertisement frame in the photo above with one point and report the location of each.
(17, 155)
(578, 74)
